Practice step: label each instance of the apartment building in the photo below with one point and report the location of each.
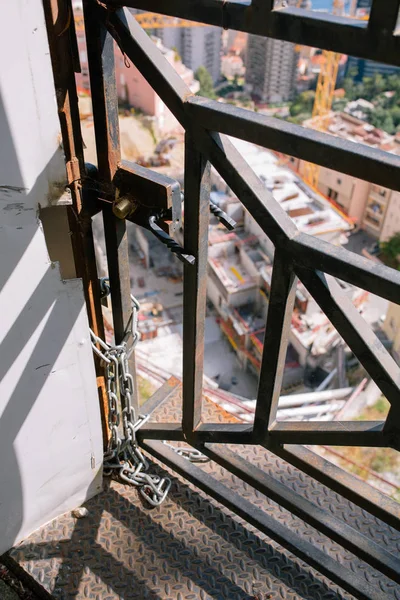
(381, 217)
(132, 87)
(271, 66)
(375, 209)
(197, 46)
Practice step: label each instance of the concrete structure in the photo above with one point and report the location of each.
(364, 203)
(232, 65)
(381, 217)
(240, 268)
(271, 66)
(132, 87)
(50, 430)
(359, 68)
(197, 46)
(310, 211)
(391, 327)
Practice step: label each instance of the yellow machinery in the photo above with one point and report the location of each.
(150, 20)
(324, 96)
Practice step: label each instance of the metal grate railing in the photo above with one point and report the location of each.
(297, 256)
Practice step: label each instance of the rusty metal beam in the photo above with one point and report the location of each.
(62, 43)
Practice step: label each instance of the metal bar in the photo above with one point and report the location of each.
(257, 517)
(137, 45)
(359, 160)
(323, 520)
(355, 331)
(160, 396)
(349, 486)
(313, 253)
(333, 433)
(279, 318)
(100, 48)
(197, 212)
(221, 433)
(383, 19)
(57, 14)
(339, 34)
(217, 148)
(247, 186)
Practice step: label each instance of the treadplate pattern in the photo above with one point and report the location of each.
(191, 547)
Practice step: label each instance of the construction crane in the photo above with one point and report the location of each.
(324, 95)
(150, 20)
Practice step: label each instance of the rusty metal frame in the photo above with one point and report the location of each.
(297, 255)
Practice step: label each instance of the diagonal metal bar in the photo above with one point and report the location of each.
(140, 49)
(313, 253)
(314, 515)
(359, 160)
(354, 489)
(217, 148)
(279, 318)
(355, 331)
(197, 211)
(257, 517)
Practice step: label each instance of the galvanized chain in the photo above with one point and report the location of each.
(123, 454)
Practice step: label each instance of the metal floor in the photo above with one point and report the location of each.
(191, 547)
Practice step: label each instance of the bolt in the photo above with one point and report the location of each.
(123, 208)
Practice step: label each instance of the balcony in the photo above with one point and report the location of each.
(252, 511)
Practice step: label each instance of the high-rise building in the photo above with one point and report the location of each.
(197, 46)
(271, 66)
(358, 68)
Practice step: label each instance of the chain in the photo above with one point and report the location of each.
(123, 455)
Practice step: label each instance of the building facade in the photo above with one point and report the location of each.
(197, 46)
(372, 208)
(271, 69)
(271, 66)
(132, 88)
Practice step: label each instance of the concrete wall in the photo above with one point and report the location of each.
(352, 193)
(50, 432)
(391, 224)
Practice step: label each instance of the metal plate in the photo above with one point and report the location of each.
(190, 547)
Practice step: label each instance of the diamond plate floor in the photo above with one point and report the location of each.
(191, 547)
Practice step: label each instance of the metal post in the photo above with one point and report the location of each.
(196, 218)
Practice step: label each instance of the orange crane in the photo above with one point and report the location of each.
(324, 94)
(150, 20)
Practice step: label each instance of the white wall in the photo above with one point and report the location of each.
(50, 431)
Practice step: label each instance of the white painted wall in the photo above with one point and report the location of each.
(50, 432)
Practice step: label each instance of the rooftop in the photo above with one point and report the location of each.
(309, 210)
(351, 128)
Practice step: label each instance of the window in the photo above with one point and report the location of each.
(332, 194)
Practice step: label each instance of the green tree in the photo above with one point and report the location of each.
(206, 83)
(303, 104)
(391, 250)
